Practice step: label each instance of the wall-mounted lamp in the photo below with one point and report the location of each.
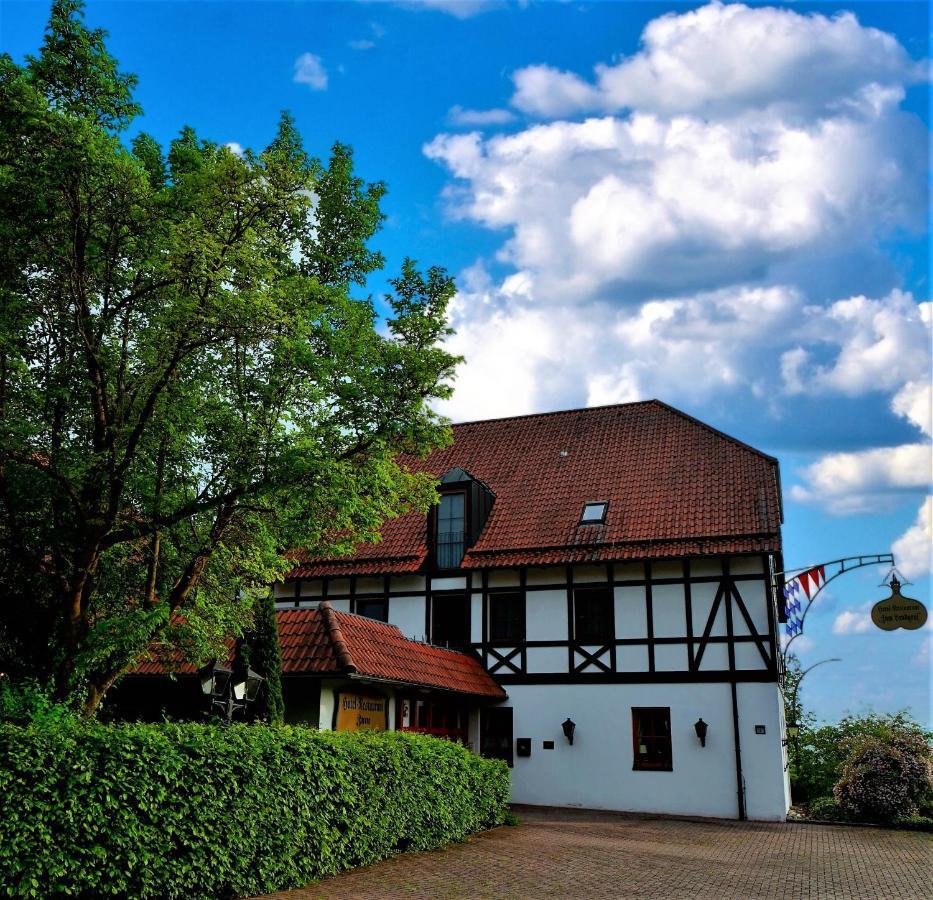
(793, 729)
(569, 727)
(701, 728)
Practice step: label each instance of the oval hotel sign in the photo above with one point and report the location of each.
(898, 611)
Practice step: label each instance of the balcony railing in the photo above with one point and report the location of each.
(450, 547)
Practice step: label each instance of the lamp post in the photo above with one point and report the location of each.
(792, 728)
(229, 689)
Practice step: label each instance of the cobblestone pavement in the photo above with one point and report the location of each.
(593, 855)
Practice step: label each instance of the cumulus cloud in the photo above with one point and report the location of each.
(859, 482)
(309, 70)
(679, 241)
(479, 118)
(723, 59)
(682, 349)
(883, 344)
(622, 208)
(913, 550)
(914, 401)
(852, 621)
(235, 148)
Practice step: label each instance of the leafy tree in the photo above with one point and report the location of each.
(825, 750)
(187, 386)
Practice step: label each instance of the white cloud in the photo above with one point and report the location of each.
(235, 148)
(546, 91)
(913, 550)
(726, 58)
(680, 243)
(682, 349)
(309, 70)
(362, 44)
(457, 115)
(914, 401)
(643, 205)
(861, 481)
(851, 621)
(884, 344)
(459, 9)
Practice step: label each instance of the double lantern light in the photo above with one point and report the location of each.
(229, 689)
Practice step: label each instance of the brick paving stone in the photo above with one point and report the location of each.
(602, 856)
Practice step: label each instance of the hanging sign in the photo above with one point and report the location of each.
(360, 712)
(898, 611)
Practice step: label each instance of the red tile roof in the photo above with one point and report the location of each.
(674, 485)
(323, 641)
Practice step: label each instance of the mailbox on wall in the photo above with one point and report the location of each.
(523, 746)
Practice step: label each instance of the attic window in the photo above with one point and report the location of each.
(594, 513)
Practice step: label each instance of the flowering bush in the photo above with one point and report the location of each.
(885, 777)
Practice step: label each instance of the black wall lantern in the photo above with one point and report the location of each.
(229, 689)
(701, 728)
(793, 729)
(569, 727)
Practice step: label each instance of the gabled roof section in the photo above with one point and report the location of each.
(675, 487)
(323, 641)
(455, 476)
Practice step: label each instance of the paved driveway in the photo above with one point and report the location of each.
(573, 853)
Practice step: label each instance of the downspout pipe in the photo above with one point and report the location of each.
(739, 780)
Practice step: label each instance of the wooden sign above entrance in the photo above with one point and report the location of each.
(360, 712)
(898, 611)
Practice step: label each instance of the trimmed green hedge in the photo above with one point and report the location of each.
(183, 810)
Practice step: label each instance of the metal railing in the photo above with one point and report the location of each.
(450, 547)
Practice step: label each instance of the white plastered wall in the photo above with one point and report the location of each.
(596, 772)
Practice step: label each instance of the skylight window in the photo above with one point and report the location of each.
(594, 513)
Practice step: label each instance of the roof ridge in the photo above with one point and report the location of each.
(653, 401)
(334, 632)
(557, 412)
(734, 440)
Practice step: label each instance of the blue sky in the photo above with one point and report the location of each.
(723, 206)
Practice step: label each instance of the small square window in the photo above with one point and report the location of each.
(594, 513)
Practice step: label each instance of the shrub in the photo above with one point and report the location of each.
(187, 810)
(884, 777)
(914, 823)
(824, 750)
(31, 702)
(827, 809)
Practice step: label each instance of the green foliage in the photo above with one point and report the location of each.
(885, 776)
(30, 702)
(264, 654)
(824, 750)
(914, 823)
(197, 811)
(187, 385)
(826, 809)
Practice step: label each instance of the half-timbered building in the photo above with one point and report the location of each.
(613, 570)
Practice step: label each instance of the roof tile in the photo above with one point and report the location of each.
(674, 485)
(323, 641)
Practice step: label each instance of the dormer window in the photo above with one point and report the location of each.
(451, 530)
(594, 512)
(458, 519)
